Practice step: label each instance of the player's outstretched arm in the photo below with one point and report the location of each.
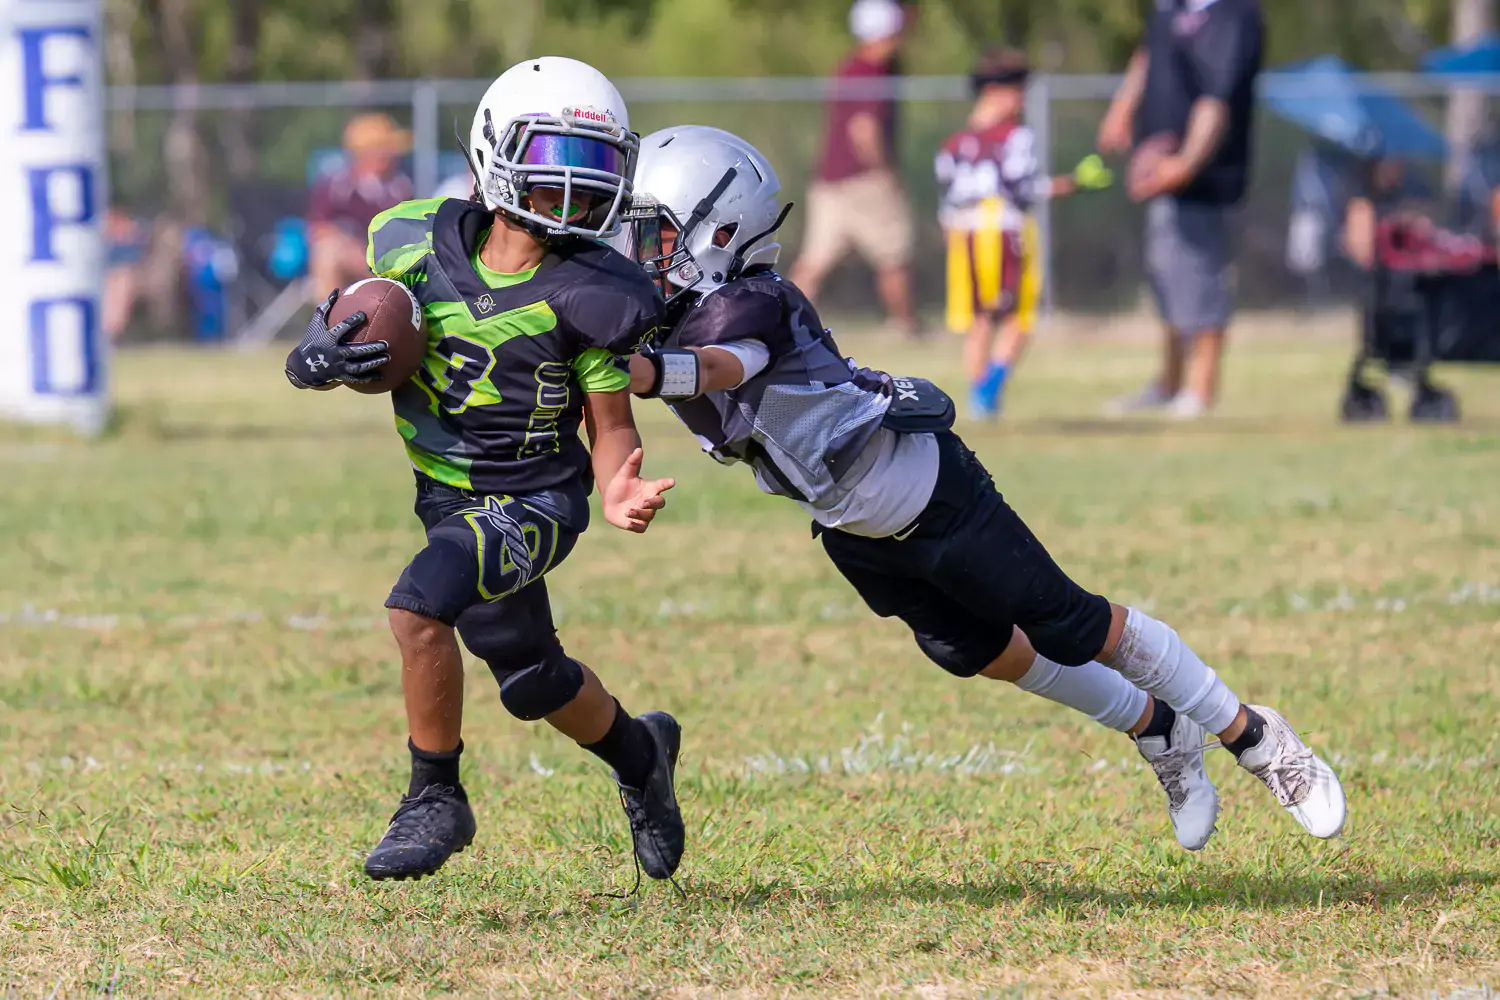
(629, 501)
(322, 360)
(681, 373)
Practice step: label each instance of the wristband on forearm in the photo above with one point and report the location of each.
(678, 373)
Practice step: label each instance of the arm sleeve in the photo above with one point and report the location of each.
(1226, 56)
(752, 354)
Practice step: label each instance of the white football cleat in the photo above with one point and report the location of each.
(1187, 406)
(1192, 799)
(1300, 779)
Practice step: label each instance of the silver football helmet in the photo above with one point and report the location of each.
(719, 195)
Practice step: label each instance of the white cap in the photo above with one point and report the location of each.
(875, 20)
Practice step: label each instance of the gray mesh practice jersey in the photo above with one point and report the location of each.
(804, 421)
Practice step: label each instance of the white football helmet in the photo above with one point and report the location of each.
(555, 123)
(702, 181)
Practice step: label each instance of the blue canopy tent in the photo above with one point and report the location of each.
(1329, 99)
(1478, 57)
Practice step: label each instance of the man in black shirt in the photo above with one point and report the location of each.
(1188, 99)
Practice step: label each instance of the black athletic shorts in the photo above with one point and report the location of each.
(483, 565)
(967, 571)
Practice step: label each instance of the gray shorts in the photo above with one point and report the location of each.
(1189, 262)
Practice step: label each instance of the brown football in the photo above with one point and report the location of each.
(392, 315)
(1148, 154)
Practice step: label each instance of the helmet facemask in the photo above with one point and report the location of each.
(582, 153)
(680, 267)
(642, 239)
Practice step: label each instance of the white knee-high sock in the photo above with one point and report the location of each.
(1093, 689)
(1154, 658)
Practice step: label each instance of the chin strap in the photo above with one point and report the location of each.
(704, 207)
(468, 160)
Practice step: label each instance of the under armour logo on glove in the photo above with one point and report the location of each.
(325, 357)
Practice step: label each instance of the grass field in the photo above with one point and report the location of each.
(201, 731)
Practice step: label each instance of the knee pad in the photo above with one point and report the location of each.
(1062, 646)
(537, 691)
(1074, 636)
(961, 657)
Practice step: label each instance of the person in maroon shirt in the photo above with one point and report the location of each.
(857, 201)
(344, 201)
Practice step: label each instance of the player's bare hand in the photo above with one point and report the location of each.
(631, 502)
(324, 357)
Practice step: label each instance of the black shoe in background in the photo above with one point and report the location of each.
(425, 832)
(655, 820)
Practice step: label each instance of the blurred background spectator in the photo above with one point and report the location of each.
(346, 198)
(1478, 203)
(1382, 188)
(1320, 189)
(228, 140)
(858, 201)
(1193, 80)
(125, 248)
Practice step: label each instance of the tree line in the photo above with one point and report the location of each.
(186, 41)
(180, 169)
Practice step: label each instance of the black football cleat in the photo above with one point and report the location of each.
(655, 819)
(426, 831)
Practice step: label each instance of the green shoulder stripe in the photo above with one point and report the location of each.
(401, 237)
(597, 370)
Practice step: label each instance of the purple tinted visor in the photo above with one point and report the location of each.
(546, 149)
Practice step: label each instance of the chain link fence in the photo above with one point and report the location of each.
(256, 149)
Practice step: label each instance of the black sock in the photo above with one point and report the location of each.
(1255, 729)
(1162, 718)
(430, 767)
(627, 747)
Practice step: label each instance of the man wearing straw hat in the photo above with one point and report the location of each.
(344, 201)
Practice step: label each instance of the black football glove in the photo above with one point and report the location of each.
(323, 358)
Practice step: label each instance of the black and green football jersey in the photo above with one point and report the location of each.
(496, 405)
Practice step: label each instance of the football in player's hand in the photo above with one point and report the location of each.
(392, 315)
(1147, 156)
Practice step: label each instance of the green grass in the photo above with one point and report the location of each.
(201, 731)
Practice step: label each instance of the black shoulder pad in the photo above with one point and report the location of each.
(735, 312)
(918, 407)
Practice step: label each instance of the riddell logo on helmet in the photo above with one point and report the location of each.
(590, 115)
